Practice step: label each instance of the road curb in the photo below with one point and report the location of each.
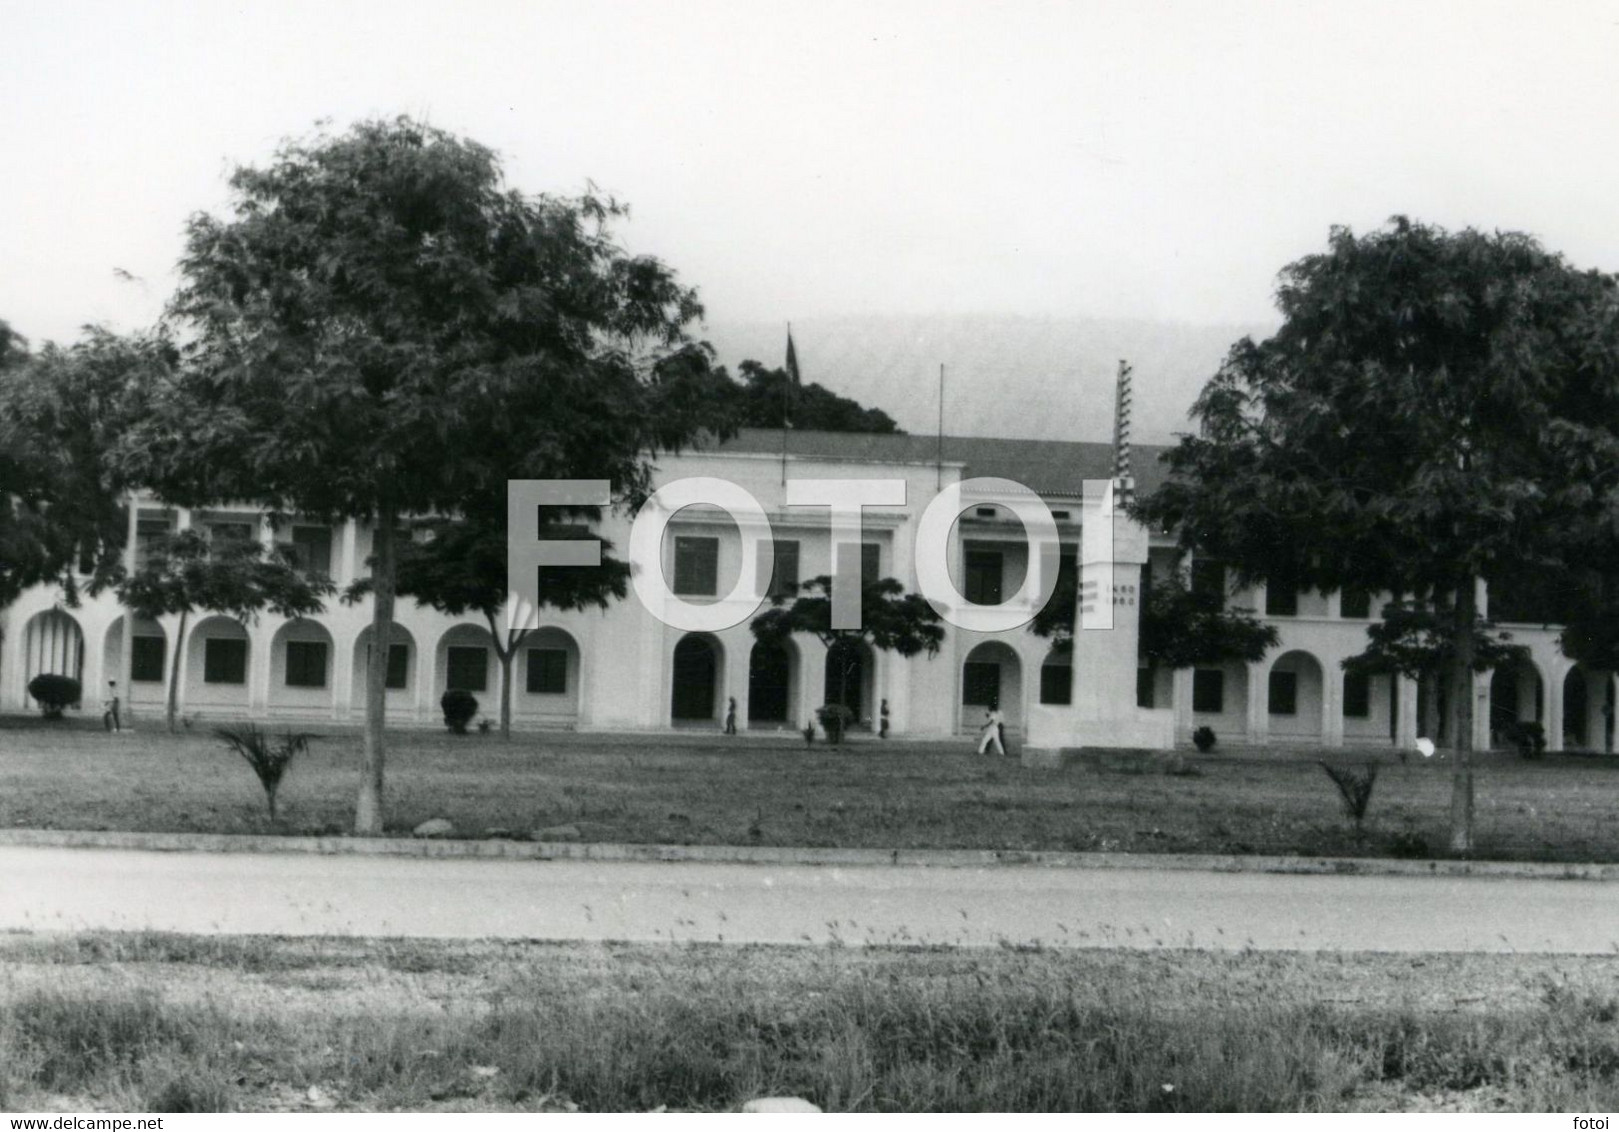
(496, 848)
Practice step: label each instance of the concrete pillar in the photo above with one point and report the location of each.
(1258, 703)
(1181, 703)
(1408, 726)
(348, 553)
(343, 674)
(1481, 711)
(1553, 721)
(259, 639)
(1332, 700)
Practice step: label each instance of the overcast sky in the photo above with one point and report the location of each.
(810, 161)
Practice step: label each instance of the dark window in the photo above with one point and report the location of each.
(783, 580)
(1357, 695)
(980, 683)
(871, 558)
(1284, 693)
(1208, 580)
(871, 563)
(1208, 690)
(306, 664)
(1146, 686)
(1056, 683)
(983, 577)
(548, 671)
(1281, 600)
(398, 665)
(467, 668)
(223, 533)
(1355, 603)
(146, 660)
(148, 533)
(312, 550)
(224, 661)
(985, 512)
(697, 565)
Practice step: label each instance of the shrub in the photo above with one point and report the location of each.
(1528, 738)
(54, 692)
(835, 720)
(809, 734)
(459, 707)
(1203, 739)
(1410, 846)
(1354, 789)
(268, 760)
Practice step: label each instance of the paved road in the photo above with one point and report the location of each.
(298, 894)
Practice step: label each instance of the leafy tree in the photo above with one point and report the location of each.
(770, 396)
(461, 568)
(186, 574)
(382, 327)
(890, 619)
(1436, 407)
(1417, 640)
(62, 414)
(1180, 627)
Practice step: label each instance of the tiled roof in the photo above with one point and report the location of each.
(1050, 467)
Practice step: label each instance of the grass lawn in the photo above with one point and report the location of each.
(701, 789)
(175, 1023)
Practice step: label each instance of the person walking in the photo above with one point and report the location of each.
(110, 718)
(991, 736)
(730, 716)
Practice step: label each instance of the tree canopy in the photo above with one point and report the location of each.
(382, 327)
(185, 573)
(1180, 627)
(770, 396)
(462, 568)
(63, 412)
(1434, 408)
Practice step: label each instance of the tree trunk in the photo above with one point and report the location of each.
(171, 704)
(269, 797)
(514, 637)
(1461, 789)
(368, 810)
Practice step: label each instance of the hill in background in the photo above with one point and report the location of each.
(1005, 375)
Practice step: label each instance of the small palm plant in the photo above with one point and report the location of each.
(1354, 789)
(269, 759)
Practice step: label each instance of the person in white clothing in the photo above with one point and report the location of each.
(991, 736)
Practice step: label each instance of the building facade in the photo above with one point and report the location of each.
(625, 669)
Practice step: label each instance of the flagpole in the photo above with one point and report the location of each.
(786, 398)
(939, 449)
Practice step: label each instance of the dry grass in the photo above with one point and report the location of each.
(151, 1022)
(701, 789)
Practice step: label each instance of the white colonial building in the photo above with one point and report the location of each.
(626, 669)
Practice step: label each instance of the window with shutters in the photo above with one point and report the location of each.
(306, 664)
(697, 565)
(1284, 693)
(224, 661)
(147, 655)
(1208, 690)
(548, 671)
(467, 668)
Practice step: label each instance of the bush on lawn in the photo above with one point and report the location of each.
(1203, 739)
(54, 692)
(459, 707)
(1528, 738)
(835, 720)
